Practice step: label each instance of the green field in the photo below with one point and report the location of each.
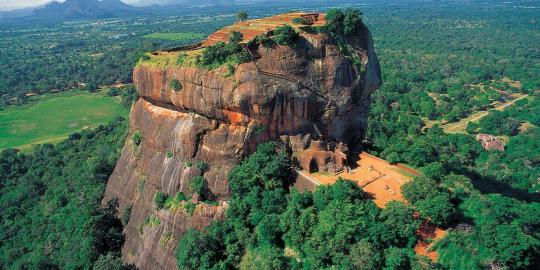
(174, 36)
(52, 117)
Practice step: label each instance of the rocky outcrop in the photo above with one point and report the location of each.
(299, 94)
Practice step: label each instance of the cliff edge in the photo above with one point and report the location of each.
(312, 93)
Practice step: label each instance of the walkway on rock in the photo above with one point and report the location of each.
(292, 80)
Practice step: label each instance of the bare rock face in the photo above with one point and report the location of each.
(296, 95)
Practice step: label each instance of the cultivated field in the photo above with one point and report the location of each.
(52, 117)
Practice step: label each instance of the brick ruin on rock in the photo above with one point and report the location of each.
(318, 155)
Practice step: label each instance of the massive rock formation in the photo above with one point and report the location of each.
(299, 94)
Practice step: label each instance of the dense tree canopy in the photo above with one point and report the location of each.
(271, 228)
(50, 210)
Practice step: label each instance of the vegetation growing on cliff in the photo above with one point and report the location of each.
(136, 139)
(219, 54)
(51, 217)
(285, 35)
(176, 85)
(341, 23)
(159, 199)
(335, 226)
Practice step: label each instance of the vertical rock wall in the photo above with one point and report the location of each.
(309, 91)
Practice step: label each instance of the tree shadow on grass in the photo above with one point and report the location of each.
(489, 184)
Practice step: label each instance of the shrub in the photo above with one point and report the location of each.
(334, 20)
(201, 165)
(175, 85)
(91, 87)
(169, 154)
(340, 22)
(165, 238)
(190, 208)
(472, 127)
(152, 221)
(159, 199)
(113, 92)
(215, 54)
(265, 257)
(352, 20)
(259, 129)
(310, 29)
(129, 95)
(285, 35)
(221, 53)
(143, 56)
(137, 138)
(199, 185)
(230, 70)
(235, 37)
(393, 158)
(175, 202)
(108, 262)
(140, 184)
(126, 215)
(265, 41)
(241, 16)
(181, 58)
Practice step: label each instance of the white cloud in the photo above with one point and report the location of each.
(16, 4)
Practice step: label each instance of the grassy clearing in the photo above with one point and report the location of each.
(405, 172)
(52, 117)
(174, 36)
(172, 59)
(461, 126)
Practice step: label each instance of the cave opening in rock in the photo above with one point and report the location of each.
(313, 166)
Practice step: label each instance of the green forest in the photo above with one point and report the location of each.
(269, 228)
(50, 202)
(85, 54)
(440, 63)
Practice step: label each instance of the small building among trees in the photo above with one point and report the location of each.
(490, 142)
